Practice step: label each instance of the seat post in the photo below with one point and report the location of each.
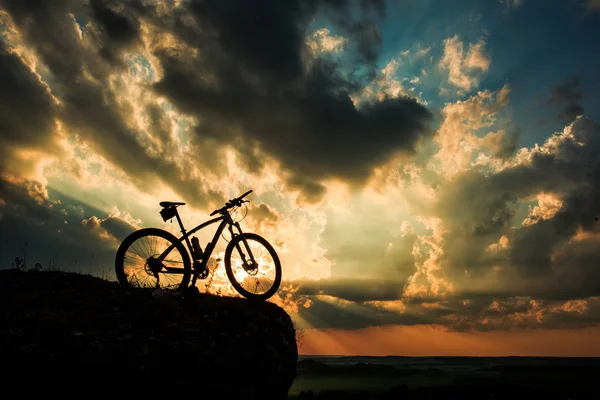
(179, 221)
(183, 232)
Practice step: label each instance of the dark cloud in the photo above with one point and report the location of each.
(327, 314)
(260, 217)
(260, 36)
(477, 209)
(263, 212)
(261, 91)
(25, 199)
(54, 232)
(352, 289)
(506, 145)
(117, 228)
(532, 247)
(457, 312)
(575, 171)
(399, 258)
(493, 313)
(498, 215)
(22, 93)
(568, 91)
(568, 95)
(322, 314)
(570, 112)
(593, 5)
(120, 29)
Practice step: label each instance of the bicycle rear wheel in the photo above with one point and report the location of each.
(259, 280)
(136, 264)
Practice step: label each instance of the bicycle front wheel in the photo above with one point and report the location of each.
(252, 266)
(137, 264)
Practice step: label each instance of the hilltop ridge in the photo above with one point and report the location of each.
(73, 334)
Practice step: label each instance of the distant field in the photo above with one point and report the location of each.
(372, 383)
(573, 378)
(319, 384)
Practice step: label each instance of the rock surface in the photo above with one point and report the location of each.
(77, 335)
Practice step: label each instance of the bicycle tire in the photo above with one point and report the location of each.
(230, 274)
(130, 240)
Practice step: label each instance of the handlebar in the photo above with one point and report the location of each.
(245, 194)
(235, 202)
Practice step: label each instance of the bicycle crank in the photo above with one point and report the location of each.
(203, 274)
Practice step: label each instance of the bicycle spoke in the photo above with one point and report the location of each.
(135, 258)
(145, 248)
(153, 244)
(136, 266)
(137, 251)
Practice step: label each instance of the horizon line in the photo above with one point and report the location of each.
(401, 356)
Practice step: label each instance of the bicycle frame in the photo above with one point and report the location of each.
(226, 220)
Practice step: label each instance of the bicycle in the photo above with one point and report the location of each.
(250, 267)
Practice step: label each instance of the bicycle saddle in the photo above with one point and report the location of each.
(171, 203)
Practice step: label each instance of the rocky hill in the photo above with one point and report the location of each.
(77, 335)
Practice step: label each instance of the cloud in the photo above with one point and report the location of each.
(568, 96)
(548, 205)
(110, 227)
(22, 92)
(56, 233)
(523, 312)
(322, 41)
(423, 52)
(568, 91)
(351, 289)
(355, 304)
(557, 169)
(385, 86)
(464, 68)
(484, 313)
(471, 126)
(593, 5)
(122, 28)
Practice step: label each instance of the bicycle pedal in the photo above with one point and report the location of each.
(203, 274)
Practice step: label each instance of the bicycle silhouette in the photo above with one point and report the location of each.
(253, 267)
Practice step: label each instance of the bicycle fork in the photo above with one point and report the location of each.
(242, 255)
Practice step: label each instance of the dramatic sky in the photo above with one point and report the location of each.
(428, 171)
